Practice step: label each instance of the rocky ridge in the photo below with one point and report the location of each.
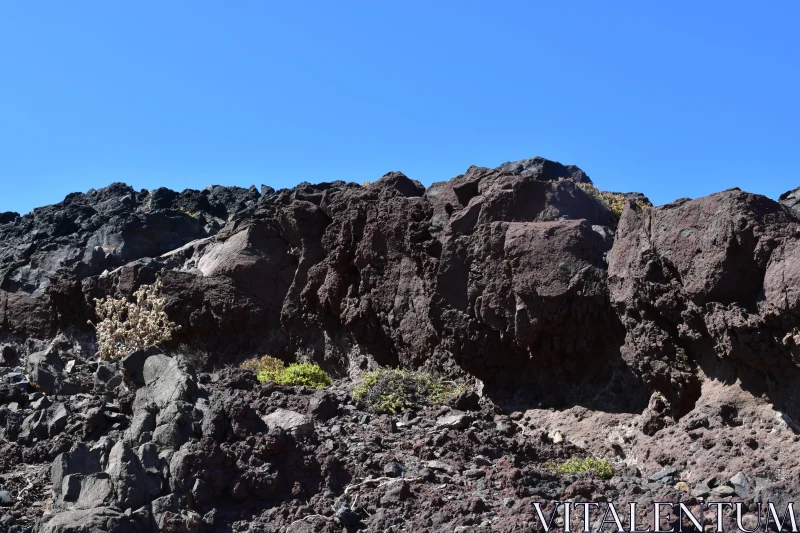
(667, 342)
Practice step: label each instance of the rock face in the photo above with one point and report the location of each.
(499, 273)
(677, 328)
(710, 287)
(511, 259)
(46, 253)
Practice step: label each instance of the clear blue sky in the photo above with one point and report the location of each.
(669, 98)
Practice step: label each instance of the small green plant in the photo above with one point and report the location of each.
(395, 390)
(269, 368)
(366, 184)
(187, 212)
(307, 374)
(576, 465)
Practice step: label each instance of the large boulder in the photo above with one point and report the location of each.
(709, 286)
(165, 382)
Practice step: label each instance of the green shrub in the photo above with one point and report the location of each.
(269, 368)
(307, 374)
(576, 465)
(395, 390)
(272, 366)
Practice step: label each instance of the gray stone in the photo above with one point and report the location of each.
(475, 473)
(179, 467)
(393, 469)
(143, 422)
(165, 504)
(79, 460)
(202, 492)
(290, 421)
(106, 519)
(455, 421)
(467, 400)
(45, 379)
(41, 403)
(395, 493)
(669, 471)
(153, 466)
(127, 475)
(723, 491)
(80, 491)
(347, 517)
(133, 364)
(58, 416)
(701, 490)
(5, 497)
(165, 382)
(174, 426)
(105, 371)
(322, 406)
(34, 427)
(441, 466)
(741, 485)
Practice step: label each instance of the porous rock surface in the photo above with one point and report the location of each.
(667, 342)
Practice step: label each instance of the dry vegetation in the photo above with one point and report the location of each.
(126, 326)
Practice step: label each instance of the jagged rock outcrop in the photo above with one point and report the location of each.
(710, 287)
(499, 273)
(46, 253)
(668, 342)
(791, 199)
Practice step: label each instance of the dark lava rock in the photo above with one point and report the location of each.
(515, 281)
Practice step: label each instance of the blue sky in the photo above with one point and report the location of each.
(671, 98)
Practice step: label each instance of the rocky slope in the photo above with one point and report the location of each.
(667, 342)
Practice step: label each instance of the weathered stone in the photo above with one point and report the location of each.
(393, 469)
(106, 519)
(741, 485)
(133, 364)
(661, 474)
(723, 491)
(290, 421)
(165, 382)
(395, 493)
(90, 491)
(347, 517)
(79, 460)
(127, 475)
(322, 406)
(41, 403)
(143, 423)
(701, 490)
(455, 421)
(58, 416)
